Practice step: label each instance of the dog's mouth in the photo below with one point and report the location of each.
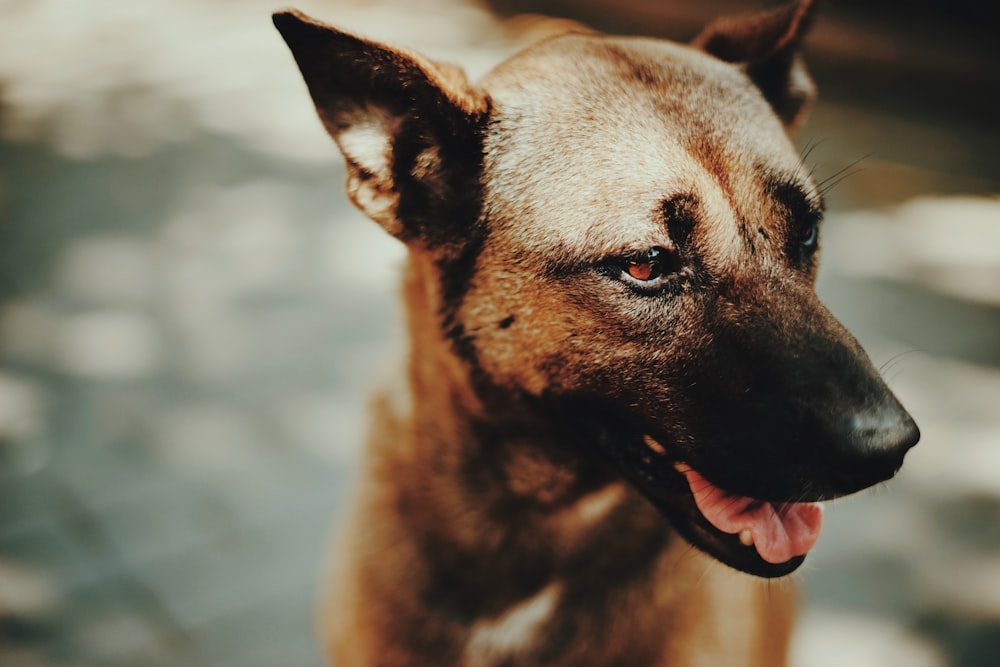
(779, 532)
(763, 538)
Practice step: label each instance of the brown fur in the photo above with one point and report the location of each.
(509, 512)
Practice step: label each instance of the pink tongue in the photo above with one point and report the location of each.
(780, 532)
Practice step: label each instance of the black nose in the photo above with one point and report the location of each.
(875, 441)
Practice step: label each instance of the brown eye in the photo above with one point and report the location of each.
(649, 265)
(643, 269)
(648, 270)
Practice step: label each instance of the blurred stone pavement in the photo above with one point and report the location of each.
(191, 315)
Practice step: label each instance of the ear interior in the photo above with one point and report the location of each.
(408, 127)
(768, 45)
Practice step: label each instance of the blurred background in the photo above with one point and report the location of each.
(191, 312)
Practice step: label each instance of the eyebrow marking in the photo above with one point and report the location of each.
(803, 210)
(802, 205)
(680, 212)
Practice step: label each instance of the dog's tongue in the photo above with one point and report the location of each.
(780, 531)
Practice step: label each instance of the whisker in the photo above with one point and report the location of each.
(811, 145)
(704, 573)
(894, 359)
(844, 169)
(826, 188)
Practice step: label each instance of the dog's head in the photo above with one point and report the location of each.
(623, 232)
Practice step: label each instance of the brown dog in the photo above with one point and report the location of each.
(616, 351)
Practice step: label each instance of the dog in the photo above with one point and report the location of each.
(622, 395)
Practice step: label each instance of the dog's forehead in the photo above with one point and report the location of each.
(591, 134)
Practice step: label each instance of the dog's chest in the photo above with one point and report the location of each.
(688, 612)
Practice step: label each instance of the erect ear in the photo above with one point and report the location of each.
(768, 45)
(411, 129)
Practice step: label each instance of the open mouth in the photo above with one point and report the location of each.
(777, 531)
(764, 538)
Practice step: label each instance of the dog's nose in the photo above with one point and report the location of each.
(877, 440)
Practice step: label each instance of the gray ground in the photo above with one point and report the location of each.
(190, 315)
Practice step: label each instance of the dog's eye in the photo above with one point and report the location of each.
(811, 238)
(644, 269)
(648, 269)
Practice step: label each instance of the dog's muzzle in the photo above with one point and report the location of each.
(766, 534)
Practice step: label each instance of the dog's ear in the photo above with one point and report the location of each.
(410, 128)
(768, 46)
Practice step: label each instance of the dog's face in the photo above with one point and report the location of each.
(625, 235)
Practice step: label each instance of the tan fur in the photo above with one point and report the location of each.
(484, 531)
